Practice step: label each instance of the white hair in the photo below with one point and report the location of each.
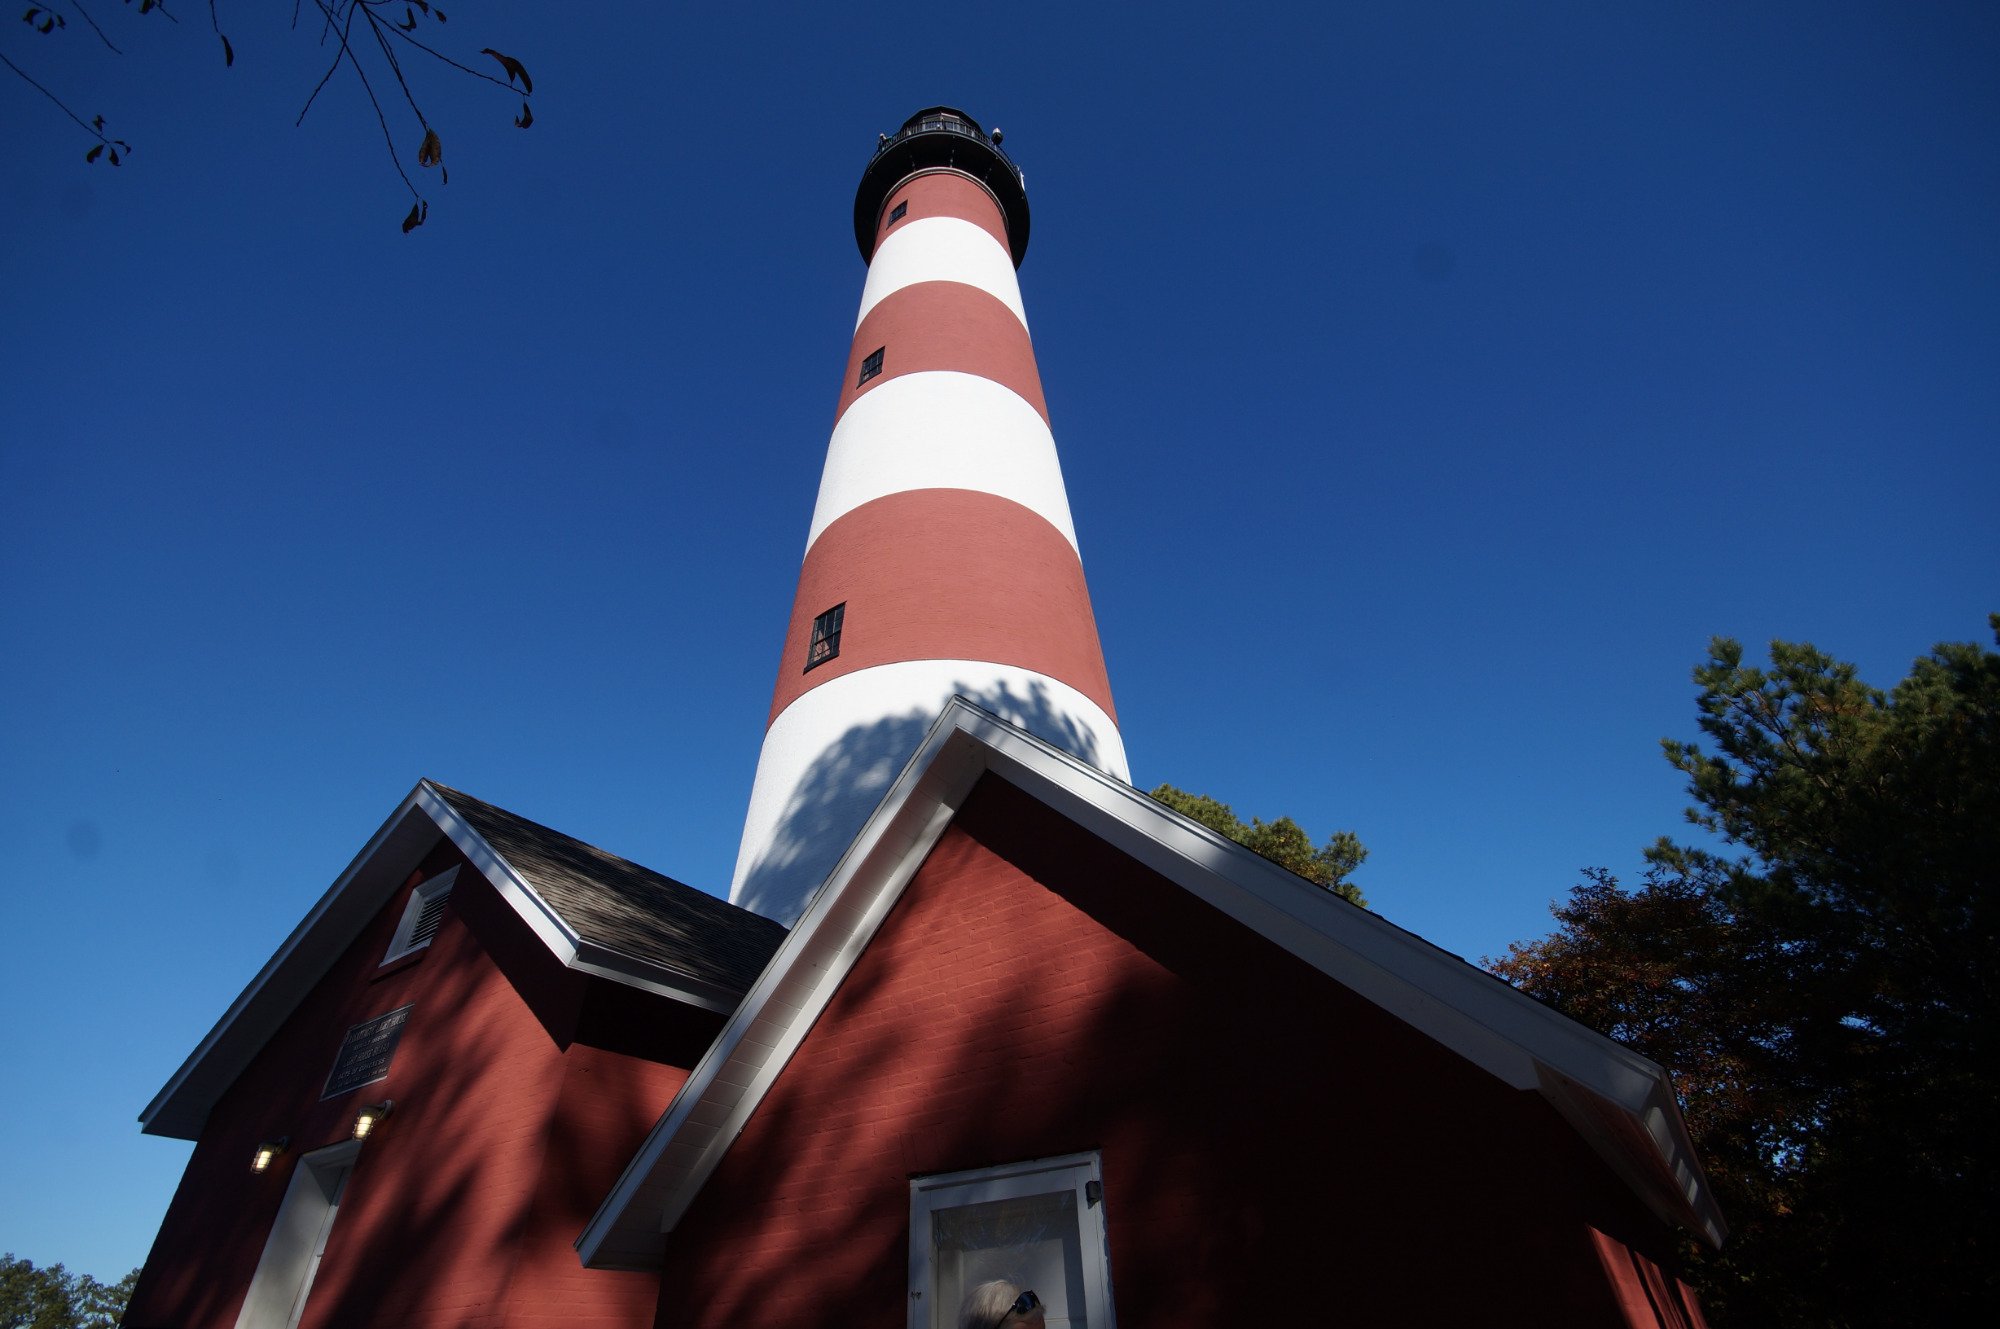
(991, 1305)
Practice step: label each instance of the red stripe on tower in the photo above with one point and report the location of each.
(942, 559)
(942, 327)
(941, 192)
(942, 574)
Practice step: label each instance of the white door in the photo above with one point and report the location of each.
(277, 1296)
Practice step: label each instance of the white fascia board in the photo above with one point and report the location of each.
(1504, 1032)
(328, 928)
(525, 901)
(726, 1085)
(632, 972)
(1649, 1151)
(1463, 1007)
(181, 1107)
(563, 941)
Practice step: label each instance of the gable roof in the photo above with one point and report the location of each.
(615, 908)
(596, 913)
(1618, 1101)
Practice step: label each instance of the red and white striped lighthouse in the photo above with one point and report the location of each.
(942, 559)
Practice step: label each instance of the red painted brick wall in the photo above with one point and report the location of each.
(461, 1210)
(1275, 1150)
(943, 325)
(599, 1124)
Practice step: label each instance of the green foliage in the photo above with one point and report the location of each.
(54, 1298)
(1282, 841)
(1823, 993)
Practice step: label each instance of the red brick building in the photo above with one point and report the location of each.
(1038, 1026)
(1035, 1025)
(1026, 1022)
(523, 1001)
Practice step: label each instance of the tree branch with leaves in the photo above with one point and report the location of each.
(52, 1297)
(1283, 841)
(1821, 984)
(368, 38)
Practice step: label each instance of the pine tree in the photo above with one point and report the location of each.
(1822, 988)
(1283, 841)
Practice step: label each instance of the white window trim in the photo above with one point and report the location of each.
(284, 1277)
(1081, 1173)
(400, 945)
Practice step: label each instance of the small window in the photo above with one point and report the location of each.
(826, 636)
(871, 366)
(896, 213)
(422, 916)
(366, 1052)
(1038, 1226)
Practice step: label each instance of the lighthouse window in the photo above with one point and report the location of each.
(826, 631)
(896, 213)
(871, 366)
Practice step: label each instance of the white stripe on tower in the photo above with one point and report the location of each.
(941, 249)
(888, 442)
(941, 558)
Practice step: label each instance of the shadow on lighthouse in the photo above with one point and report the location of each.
(843, 785)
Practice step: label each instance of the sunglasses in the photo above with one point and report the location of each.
(1024, 1303)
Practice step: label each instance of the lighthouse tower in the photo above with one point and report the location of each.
(941, 559)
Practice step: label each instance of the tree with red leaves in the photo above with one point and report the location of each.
(1820, 984)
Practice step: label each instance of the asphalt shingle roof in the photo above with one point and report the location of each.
(614, 903)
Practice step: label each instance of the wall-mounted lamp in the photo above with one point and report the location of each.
(370, 1117)
(268, 1152)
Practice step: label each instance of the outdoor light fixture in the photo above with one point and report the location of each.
(267, 1151)
(371, 1116)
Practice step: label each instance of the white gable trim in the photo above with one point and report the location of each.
(180, 1108)
(332, 924)
(1613, 1096)
(563, 941)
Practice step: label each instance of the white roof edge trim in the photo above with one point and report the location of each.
(564, 942)
(536, 912)
(1469, 1011)
(1389, 965)
(1472, 1013)
(890, 855)
(632, 972)
(1680, 1198)
(513, 888)
(286, 949)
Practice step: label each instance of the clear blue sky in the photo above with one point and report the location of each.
(1432, 381)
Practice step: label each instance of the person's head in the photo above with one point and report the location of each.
(1000, 1303)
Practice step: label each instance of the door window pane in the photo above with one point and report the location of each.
(1036, 1225)
(1032, 1241)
